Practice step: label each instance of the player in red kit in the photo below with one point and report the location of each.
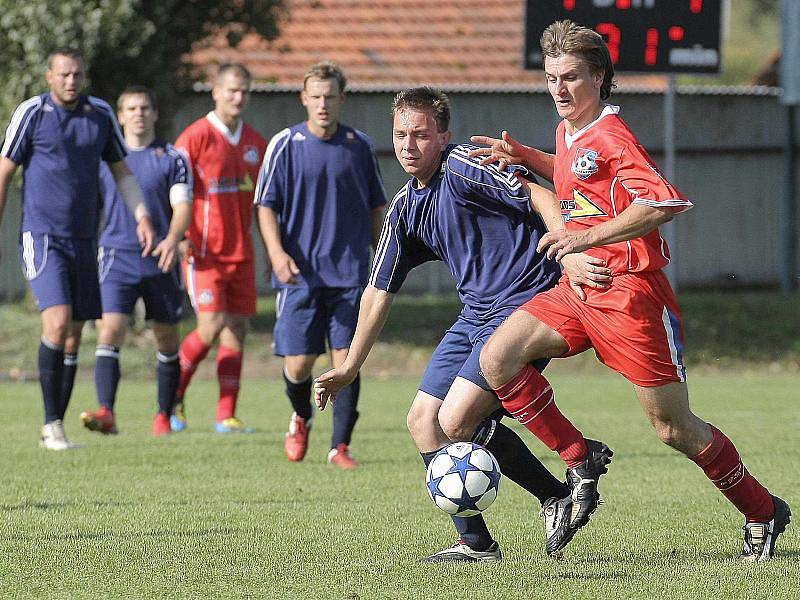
(613, 199)
(225, 154)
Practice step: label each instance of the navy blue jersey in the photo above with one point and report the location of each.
(323, 192)
(476, 219)
(60, 151)
(157, 168)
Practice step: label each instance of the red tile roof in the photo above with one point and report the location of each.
(389, 44)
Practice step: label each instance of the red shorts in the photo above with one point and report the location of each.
(221, 287)
(634, 326)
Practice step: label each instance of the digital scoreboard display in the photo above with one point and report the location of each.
(656, 36)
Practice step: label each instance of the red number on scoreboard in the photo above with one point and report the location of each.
(695, 6)
(569, 4)
(651, 48)
(613, 37)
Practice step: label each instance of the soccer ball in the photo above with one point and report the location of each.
(463, 479)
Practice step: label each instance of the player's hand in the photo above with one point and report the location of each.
(504, 151)
(167, 253)
(285, 269)
(327, 385)
(146, 235)
(562, 242)
(584, 270)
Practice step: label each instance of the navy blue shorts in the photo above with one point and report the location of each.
(126, 276)
(61, 271)
(308, 317)
(458, 355)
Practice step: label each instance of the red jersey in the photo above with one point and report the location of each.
(225, 168)
(599, 172)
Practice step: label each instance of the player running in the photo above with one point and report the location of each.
(224, 154)
(59, 138)
(321, 202)
(125, 275)
(614, 198)
(480, 221)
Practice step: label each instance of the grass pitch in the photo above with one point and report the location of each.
(203, 515)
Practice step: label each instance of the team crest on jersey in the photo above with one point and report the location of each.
(585, 163)
(206, 297)
(580, 207)
(251, 155)
(159, 152)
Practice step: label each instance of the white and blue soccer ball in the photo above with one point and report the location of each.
(463, 479)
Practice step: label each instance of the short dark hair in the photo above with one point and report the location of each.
(565, 37)
(326, 70)
(136, 90)
(236, 68)
(68, 51)
(425, 98)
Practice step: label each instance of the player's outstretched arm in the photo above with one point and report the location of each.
(372, 314)
(132, 194)
(633, 222)
(7, 169)
(283, 265)
(507, 151)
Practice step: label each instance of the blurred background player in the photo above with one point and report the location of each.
(321, 202)
(448, 211)
(224, 154)
(59, 138)
(614, 198)
(125, 275)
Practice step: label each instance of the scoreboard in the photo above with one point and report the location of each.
(657, 36)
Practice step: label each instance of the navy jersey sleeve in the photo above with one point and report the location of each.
(486, 184)
(17, 144)
(179, 168)
(114, 150)
(398, 251)
(377, 192)
(271, 185)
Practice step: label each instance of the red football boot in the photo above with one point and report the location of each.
(161, 424)
(296, 442)
(340, 456)
(101, 420)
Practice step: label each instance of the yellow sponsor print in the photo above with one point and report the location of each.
(580, 207)
(247, 184)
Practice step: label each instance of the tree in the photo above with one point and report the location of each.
(125, 41)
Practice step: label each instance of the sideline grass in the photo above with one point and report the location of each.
(203, 515)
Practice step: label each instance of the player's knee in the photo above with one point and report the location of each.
(420, 423)
(667, 431)
(492, 364)
(56, 332)
(455, 427)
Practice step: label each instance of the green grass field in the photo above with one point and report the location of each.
(202, 515)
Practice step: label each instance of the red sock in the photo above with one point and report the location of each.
(229, 371)
(191, 354)
(530, 400)
(722, 464)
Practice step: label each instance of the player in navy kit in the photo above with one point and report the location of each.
(321, 202)
(59, 138)
(482, 223)
(126, 275)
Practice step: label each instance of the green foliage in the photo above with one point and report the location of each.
(125, 41)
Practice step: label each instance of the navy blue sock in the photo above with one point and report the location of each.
(168, 374)
(345, 414)
(471, 530)
(517, 462)
(106, 374)
(51, 378)
(70, 369)
(299, 394)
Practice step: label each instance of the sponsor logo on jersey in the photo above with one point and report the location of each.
(580, 207)
(585, 163)
(247, 184)
(251, 155)
(298, 137)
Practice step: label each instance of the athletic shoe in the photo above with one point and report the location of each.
(340, 456)
(759, 538)
(102, 420)
(556, 513)
(177, 422)
(161, 424)
(54, 438)
(582, 480)
(296, 442)
(460, 552)
(232, 425)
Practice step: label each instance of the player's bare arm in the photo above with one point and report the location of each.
(132, 194)
(372, 314)
(167, 250)
(283, 265)
(635, 221)
(7, 169)
(507, 151)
